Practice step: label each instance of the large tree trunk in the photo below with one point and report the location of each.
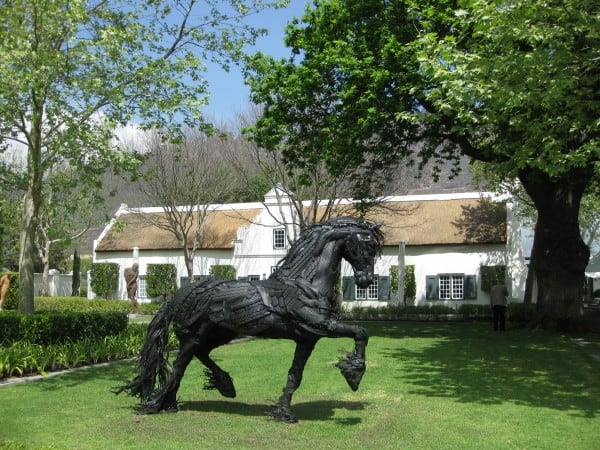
(559, 254)
(26, 269)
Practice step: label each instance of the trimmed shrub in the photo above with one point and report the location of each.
(470, 309)
(222, 272)
(105, 279)
(52, 327)
(84, 304)
(161, 280)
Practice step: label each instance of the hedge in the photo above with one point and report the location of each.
(84, 304)
(222, 272)
(104, 279)
(52, 327)
(161, 280)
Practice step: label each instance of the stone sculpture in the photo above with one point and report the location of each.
(131, 276)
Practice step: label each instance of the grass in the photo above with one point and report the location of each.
(427, 386)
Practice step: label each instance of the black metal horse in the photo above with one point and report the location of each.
(297, 302)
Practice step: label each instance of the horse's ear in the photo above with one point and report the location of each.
(377, 226)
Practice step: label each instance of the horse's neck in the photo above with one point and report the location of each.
(320, 271)
(327, 269)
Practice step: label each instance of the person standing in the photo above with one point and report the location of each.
(498, 302)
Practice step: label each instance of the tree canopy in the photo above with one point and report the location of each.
(512, 83)
(71, 71)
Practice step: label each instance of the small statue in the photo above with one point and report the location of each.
(131, 276)
(4, 287)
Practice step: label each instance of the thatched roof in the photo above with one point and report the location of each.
(142, 231)
(419, 222)
(443, 222)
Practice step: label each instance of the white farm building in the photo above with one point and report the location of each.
(448, 239)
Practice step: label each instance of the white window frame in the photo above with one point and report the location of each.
(371, 292)
(451, 286)
(279, 238)
(141, 287)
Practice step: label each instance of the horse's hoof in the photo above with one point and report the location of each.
(220, 381)
(282, 414)
(352, 368)
(155, 408)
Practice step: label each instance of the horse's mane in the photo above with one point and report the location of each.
(310, 242)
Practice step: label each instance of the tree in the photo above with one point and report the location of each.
(76, 281)
(184, 179)
(9, 230)
(72, 70)
(70, 205)
(304, 195)
(514, 84)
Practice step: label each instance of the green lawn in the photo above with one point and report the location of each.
(427, 386)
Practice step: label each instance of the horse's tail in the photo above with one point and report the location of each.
(153, 362)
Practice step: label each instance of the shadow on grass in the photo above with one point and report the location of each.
(315, 410)
(472, 364)
(116, 372)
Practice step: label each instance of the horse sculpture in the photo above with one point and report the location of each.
(296, 302)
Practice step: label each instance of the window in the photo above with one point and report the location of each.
(379, 290)
(141, 292)
(451, 287)
(371, 292)
(253, 277)
(279, 238)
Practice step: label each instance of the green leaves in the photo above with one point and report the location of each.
(72, 71)
(512, 83)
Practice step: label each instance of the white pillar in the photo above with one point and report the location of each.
(401, 271)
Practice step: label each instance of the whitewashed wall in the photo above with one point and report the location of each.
(253, 254)
(433, 260)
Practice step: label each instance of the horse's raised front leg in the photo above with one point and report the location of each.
(352, 365)
(282, 411)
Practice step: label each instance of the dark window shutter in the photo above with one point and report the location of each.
(431, 286)
(384, 288)
(470, 287)
(348, 288)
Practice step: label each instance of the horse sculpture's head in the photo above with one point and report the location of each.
(360, 242)
(361, 246)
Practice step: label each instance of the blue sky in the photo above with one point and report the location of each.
(228, 92)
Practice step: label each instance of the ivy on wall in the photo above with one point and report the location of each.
(410, 284)
(491, 275)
